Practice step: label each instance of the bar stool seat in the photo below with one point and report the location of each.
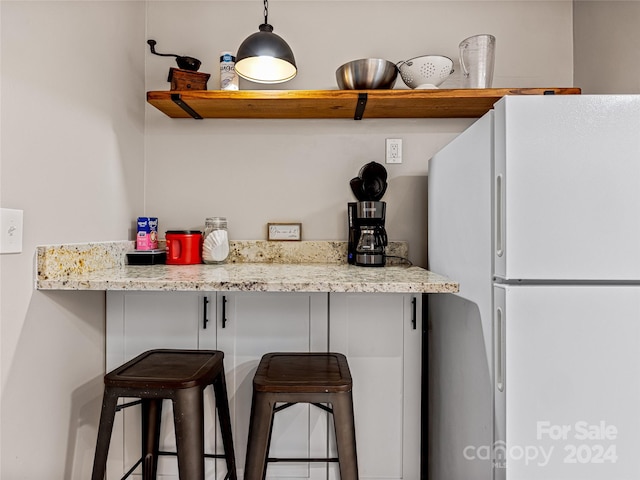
(290, 378)
(179, 375)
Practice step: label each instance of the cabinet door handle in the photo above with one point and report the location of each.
(205, 320)
(224, 311)
(414, 312)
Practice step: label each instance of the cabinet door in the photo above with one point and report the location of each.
(140, 321)
(381, 336)
(251, 324)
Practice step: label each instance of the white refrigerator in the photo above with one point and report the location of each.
(534, 367)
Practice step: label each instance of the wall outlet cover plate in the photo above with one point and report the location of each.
(393, 150)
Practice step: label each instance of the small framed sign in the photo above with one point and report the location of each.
(284, 231)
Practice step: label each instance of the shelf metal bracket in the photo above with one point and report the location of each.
(177, 99)
(360, 106)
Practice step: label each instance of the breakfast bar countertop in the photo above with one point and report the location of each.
(101, 266)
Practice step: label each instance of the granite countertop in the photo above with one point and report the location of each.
(252, 266)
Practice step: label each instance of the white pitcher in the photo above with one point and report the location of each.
(477, 56)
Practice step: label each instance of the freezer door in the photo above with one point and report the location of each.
(567, 382)
(567, 187)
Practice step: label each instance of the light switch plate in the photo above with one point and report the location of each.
(284, 231)
(10, 230)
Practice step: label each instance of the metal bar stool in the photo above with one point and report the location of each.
(290, 378)
(179, 375)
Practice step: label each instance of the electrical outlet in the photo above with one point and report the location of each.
(10, 230)
(394, 150)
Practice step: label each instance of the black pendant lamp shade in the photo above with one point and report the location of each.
(264, 57)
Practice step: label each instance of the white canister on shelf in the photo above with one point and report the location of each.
(228, 76)
(215, 244)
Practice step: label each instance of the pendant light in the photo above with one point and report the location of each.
(264, 57)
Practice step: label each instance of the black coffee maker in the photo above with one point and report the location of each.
(366, 217)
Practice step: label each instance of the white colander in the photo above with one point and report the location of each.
(427, 71)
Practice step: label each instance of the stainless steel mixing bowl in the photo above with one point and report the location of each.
(367, 74)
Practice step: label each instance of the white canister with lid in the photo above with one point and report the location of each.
(215, 244)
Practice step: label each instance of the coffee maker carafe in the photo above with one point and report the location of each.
(367, 235)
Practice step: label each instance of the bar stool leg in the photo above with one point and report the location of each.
(109, 402)
(224, 418)
(261, 422)
(189, 425)
(151, 417)
(345, 435)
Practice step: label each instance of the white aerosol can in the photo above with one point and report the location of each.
(228, 75)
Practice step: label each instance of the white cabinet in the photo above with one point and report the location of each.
(140, 321)
(244, 325)
(255, 323)
(381, 336)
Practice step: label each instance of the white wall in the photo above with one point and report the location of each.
(606, 46)
(72, 158)
(259, 171)
(74, 151)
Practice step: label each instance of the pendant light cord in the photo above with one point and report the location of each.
(266, 11)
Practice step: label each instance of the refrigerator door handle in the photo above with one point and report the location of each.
(499, 349)
(499, 219)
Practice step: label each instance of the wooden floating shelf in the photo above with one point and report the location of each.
(353, 104)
